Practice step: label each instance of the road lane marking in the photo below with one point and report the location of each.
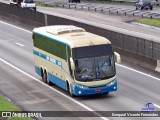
(75, 101)
(16, 27)
(19, 44)
(138, 72)
(116, 64)
(156, 105)
(145, 25)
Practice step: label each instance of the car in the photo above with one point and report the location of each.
(30, 4)
(144, 4)
(75, 1)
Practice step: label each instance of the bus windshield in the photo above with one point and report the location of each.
(94, 62)
(94, 68)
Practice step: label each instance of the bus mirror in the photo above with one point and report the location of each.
(72, 64)
(117, 58)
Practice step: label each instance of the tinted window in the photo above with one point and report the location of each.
(92, 51)
(49, 45)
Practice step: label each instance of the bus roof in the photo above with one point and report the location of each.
(71, 35)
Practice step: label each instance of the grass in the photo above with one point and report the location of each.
(41, 4)
(147, 21)
(112, 2)
(5, 105)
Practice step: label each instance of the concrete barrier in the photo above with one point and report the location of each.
(158, 66)
(134, 47)
(21, 15)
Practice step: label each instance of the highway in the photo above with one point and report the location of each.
(19, 82)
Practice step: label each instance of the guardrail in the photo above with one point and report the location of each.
(127, 1)
(142, 47)
(111, 10)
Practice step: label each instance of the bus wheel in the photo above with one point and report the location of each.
(46, 79)
(42, 75)
(68, 89)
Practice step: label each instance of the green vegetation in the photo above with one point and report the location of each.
(113, 2)
(5, 105)
(147, 21)
(43, 4)
(20, 118)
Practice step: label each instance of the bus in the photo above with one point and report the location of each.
(80, 62)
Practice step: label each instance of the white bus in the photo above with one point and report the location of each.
(80, 62)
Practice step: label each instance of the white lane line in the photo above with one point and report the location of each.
(156, 105)
(82, 105)
(19, 44)
(15, 27)
(138, 72)
(144, 25)
(116, 64)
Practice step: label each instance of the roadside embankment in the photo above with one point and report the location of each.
(6, 105)
(135, 47)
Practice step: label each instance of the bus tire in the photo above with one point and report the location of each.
(68, 89)
(46, 79)
(42, 75)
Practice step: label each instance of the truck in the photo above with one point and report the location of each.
(24, 4)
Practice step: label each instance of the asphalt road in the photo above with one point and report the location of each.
(135, 89)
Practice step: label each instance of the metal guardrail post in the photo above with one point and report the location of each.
(95, 9)
(69, 6)
(125, 13)
(82, 7)
(102, 10)
(117, 12)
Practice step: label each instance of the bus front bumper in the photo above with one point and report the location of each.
(79, 90)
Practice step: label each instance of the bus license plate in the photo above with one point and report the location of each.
(97, 90)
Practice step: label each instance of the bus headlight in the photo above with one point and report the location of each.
(81, 86)
(111, 83)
